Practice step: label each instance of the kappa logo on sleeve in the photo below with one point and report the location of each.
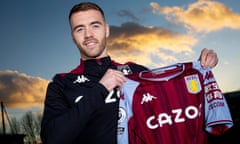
(209, 75)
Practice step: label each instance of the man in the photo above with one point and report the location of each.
(82, 106)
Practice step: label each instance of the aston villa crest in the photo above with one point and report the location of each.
(193, 83)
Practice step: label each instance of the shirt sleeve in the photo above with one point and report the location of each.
(217, 114)
(64, 118)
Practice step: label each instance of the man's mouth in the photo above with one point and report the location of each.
(90, 43)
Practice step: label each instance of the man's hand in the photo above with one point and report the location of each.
(113, 79)
(208, 58)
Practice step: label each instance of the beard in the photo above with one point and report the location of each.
(94, 52)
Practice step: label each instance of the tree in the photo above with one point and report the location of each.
(31, 126)
(16, 127)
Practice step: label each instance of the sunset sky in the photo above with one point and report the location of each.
(35, 41)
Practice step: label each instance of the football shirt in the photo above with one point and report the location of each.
(179, 103)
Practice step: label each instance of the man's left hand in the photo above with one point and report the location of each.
(208, 58)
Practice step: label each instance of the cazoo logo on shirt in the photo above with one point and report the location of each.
(176, 116)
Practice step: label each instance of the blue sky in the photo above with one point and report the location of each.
(35, 40)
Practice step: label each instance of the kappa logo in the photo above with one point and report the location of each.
(81, 79)
(147, 98)
(209, 75)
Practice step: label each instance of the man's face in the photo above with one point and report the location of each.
(90, 33)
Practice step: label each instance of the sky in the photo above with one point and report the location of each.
(35, 41)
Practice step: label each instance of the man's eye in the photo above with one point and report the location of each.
(96, 26)
(79, 29)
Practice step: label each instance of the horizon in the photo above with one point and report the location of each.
(36, 41)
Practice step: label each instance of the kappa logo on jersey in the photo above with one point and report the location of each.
(193, 84)
(81, 79)
(147, 98)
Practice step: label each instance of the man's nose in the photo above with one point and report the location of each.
(88, 32)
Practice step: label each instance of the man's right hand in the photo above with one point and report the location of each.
(113, 79)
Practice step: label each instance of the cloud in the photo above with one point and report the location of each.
(201, 16)
(128, 14)
(145, 44)
(18, 90)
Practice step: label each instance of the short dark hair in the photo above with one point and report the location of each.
(85, 6)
